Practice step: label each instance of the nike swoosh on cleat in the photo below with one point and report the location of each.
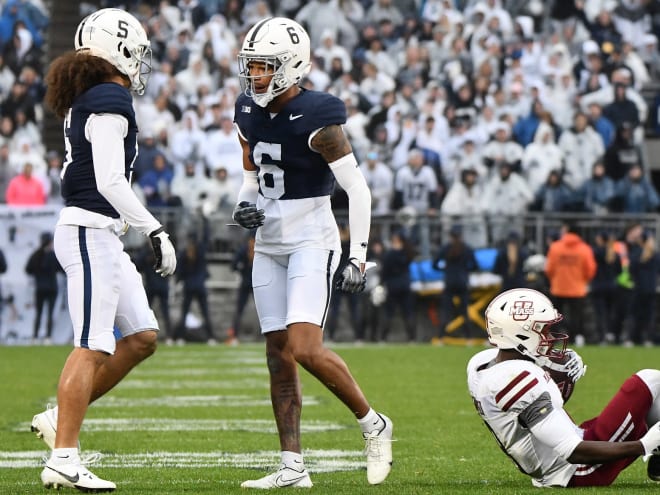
(294, 117)
(72, 479)
(282, 481)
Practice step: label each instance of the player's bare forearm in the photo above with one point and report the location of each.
(331, 143)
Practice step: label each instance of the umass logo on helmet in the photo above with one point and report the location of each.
(521, 310)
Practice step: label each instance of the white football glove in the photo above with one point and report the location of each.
(164, 252)
(351, 279)
(651, 441)
(573, 367)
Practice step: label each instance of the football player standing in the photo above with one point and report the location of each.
(294, 149)
(90, 88)
(514, 394)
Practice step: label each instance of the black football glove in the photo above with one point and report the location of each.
(247, 216)
(351, 279)
(163, 251)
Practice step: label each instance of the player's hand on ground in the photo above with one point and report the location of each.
(247, 216)
(351, 279)
(651, 441)
(163, 251)
(574, 366)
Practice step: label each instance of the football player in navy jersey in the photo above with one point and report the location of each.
(90, 88)
(294, 149)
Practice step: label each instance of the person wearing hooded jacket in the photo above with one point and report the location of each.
(570, 267)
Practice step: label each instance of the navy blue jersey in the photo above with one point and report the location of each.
(79, 181)
(279, 147)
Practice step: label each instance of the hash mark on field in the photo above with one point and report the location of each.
(245, 384)
(247, 370)
(316, 461)
(160, 424)
(193, 401)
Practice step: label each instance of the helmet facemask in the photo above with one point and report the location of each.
(275, 66)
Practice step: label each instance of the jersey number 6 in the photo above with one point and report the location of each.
(271, 177)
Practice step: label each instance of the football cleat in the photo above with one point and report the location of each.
(378, 450)
(653, 467)
(74, 476)
(284, 477)
(45, 426)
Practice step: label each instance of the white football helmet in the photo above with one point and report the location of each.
(283, 45)
(520, 319)
(118, 37)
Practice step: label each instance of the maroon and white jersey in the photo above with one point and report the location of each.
(519, 402)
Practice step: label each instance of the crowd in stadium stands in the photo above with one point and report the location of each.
(470, 110)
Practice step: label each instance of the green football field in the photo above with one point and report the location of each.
(197, 420)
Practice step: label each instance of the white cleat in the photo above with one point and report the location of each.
(378, 450)
(45, 426)
(284, 477)
(74, 476)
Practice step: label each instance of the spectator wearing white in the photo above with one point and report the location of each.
(495, 10)
(464, 204)
(352, 9)
(190, 185)
(560, 99)
(319, 15)
(24, 153)
(380, 180)
(384, 9)
(555, 60)
(329, 50)
(632, 19)
(255, 11)
(636, 64)
(222, 40)
(502, 149)
(507, 196)
(605, 95)
(517, 103)
(317, 77)
(465, 154)
(356, 122)
(416, 185)
(7, 78)
(28, 130)
(197, 74)
(590, 68)
(432, 133)
(530, 49)
(541, 156)
(581, 146)
(374, 83)
(155, 113)
(223, 149)
(222, 192)
(648, 51)
(187, 139)
(376, 55)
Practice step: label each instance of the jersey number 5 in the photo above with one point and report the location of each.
(271, 177)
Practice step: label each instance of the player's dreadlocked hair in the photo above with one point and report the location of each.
(70, 75)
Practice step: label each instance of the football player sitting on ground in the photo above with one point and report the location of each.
(522, 406)
(294, 149)
(90, 89)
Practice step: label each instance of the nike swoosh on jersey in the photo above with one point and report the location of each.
(294, 117)
(72, 479)
(515, 389)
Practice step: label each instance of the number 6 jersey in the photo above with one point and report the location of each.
(295, 182)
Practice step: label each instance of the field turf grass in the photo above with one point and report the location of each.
(197, 420)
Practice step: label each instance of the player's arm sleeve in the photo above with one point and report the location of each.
(551, 426)
(106, 133)
(250, 186)
(350, 178)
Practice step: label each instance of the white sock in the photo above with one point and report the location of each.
(293, 460)
(64, 456)
(371, 421)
